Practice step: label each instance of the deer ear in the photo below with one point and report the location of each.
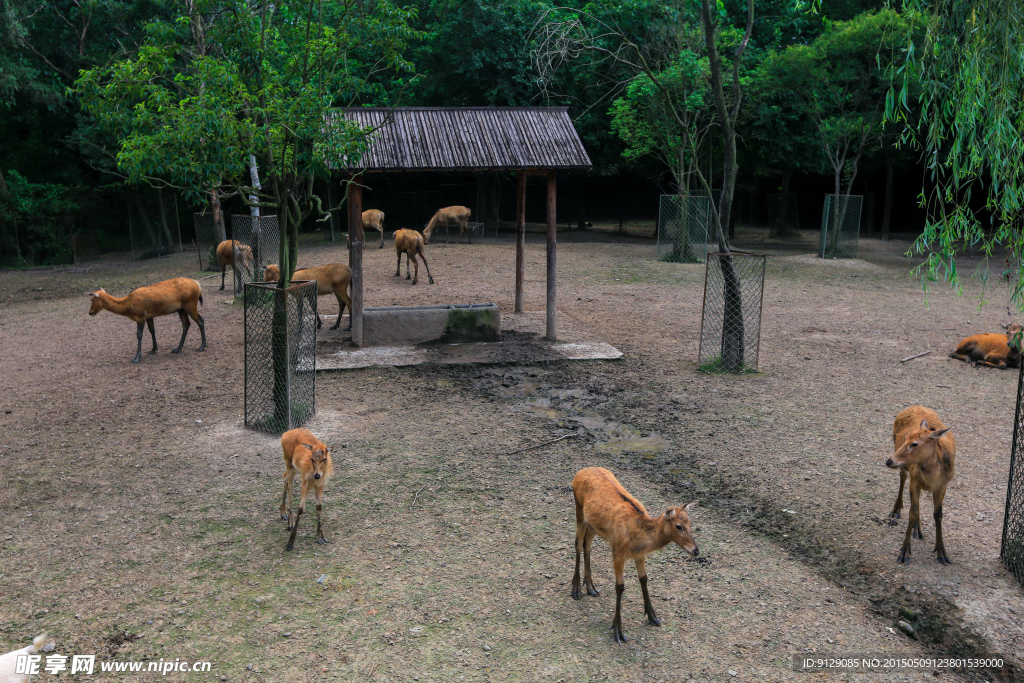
(307, 446)
(670, 513)
(91, 295)
(936, 435)
(690, 506)
(924, 424)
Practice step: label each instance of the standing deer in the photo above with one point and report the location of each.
(459, 215)
(924, 455)
(410, 243)
(605, 508)
(307, 456)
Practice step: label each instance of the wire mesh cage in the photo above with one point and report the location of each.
(783, 214)
(683, 227)
(840, 226)
(206, 241)
(730, 327)
(280, 355)
(257, 238)
(153, 222)
(1012, 552)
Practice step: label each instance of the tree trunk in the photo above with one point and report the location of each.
(887, 211)
(164, 224)
(783, 228)
(219, 232)
(279, 323)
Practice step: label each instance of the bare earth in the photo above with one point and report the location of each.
(139, 516)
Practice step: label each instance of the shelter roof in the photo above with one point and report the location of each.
(468, 139)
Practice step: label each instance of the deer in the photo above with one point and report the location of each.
(331, 278)
(373, 219)
(448, 215)
(605, 508)
(307, 456)
(410, 243)
(226, 257)
(992, 350)
(179, 295)
(925, 451)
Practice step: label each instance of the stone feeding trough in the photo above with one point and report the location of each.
(436, 324)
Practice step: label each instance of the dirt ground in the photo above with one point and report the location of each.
(140, 517)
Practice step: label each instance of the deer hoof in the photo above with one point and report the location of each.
(322, 541)
(619, 635)
(576, 594)
(653, 620)
(895, 514)
(289, 546)
(593, 592)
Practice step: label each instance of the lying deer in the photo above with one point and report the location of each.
(924, 455)
(993, 350)
(604, 508)
(307, 456)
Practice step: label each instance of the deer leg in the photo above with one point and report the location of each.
(398, 268)
(319, 505)
(588, 578)
(138, 351)
(915, 519)
(381, 246)
(619, 561)
(898, 506)
(641, 572)
(408, 258)
(958, 356)
(298, 514)
(416, 263)
(425, 265)
(940, 547)
(152, 333)
(993, 361)
(289, 475)
(185, 323)
(223, 271)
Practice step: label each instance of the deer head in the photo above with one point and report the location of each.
(919, 445)
(677, 522)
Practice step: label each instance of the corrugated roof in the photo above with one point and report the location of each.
(468, 139)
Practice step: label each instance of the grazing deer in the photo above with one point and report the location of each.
(459, 215)
(410, 243)
(993, 350)
(179, 295)
(226, 257)
(306, 455)
(924, 454)
(604, 508)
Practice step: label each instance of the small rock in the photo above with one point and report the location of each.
(908, 614)
(223, 678)
(150, 621)
(286, 634)
(249, 667)
(199, 422)
(906, 628)
(487, 648)
(733, 673)
(49, 647)
(830, 641)
(322, 579)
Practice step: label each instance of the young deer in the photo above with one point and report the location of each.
(306, 455)
(604, 508)
(924, 455)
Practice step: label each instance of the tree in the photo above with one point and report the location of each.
(971, 123)
(842, 80)
(568, 34)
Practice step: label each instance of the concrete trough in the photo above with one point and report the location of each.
(439, 324)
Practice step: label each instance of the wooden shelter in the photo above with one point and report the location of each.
(528, 140)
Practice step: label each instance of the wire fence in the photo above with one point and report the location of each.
(840, 226)
(280, 355)
(783, 213)
(683, 228)
(206, 241)
(730, 328)
(1012, 552)
(261, 237)
(153, 222)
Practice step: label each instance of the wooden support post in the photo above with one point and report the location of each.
(552, 259)
(520, 239)
(355, 256)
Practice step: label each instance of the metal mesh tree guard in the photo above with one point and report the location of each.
(262, 235)
(730, 327)
(206, 241)
(683, 227)
(840, 226)
(783, 216)
(280, 355)
(1012, 552)
(153, 221)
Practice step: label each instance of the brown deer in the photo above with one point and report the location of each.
(226, 257)
(993, 350)
(604, 508)
(331, 278)
(373, 219)
(179, 295)
(410, 243)
(459, 215)
(924, 454)
(307, 456)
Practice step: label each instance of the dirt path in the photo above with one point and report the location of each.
(140, 517)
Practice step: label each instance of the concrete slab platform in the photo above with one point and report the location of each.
(522, 342)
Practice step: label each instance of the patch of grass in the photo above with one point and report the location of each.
(716, 366)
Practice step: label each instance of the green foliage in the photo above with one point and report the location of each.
(36, 222)
(969, 65)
